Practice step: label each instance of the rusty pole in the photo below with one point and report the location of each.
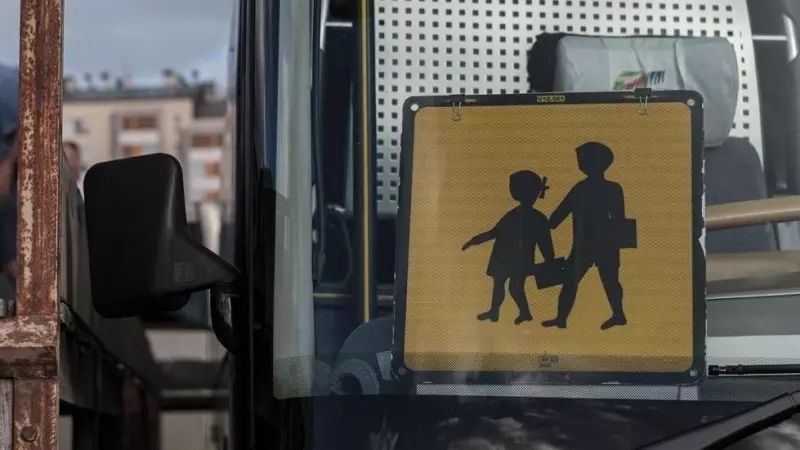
(29, 340)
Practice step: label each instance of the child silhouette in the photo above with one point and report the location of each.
(516, 236)
(597, 206)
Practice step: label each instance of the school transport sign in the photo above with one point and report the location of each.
(554, 236)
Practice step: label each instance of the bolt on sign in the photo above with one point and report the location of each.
(553, 235)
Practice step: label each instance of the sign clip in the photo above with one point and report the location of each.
(455, 101)
(643, 94)
(456, 111)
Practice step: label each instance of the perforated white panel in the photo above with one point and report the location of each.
(439, 47)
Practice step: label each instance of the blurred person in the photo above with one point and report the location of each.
(9, 122)
(73, 154)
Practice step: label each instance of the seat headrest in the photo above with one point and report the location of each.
(705, 65)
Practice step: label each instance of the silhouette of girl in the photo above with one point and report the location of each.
(516, 236)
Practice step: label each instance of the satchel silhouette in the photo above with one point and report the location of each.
(550, 273)
(626, 234)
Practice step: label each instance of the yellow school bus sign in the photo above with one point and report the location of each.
(552, 234)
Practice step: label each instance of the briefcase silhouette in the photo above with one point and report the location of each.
(626, 234)
(550, 273)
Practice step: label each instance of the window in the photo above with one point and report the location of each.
(207, 140)
(132, 150)
(80, 126)
(212, 169)
(139, 123)
(74, 127)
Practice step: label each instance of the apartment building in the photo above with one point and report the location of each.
(184, 119)
(202, 154)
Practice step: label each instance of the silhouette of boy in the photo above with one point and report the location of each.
(597, 206)
(516, 236)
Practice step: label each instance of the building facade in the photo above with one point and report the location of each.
(181, 119)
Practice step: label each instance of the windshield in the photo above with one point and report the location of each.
(522, 224)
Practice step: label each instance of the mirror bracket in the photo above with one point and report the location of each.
(221, 300)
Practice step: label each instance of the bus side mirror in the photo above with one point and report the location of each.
(142, 258)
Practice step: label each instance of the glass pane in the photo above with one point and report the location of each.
(9, 124)
(293, 348)
(121, 103)
(739, 55)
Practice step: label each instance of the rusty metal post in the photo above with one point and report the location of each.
(29, 340)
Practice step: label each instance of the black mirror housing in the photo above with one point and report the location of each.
(141, 255)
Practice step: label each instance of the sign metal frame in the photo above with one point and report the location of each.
(461, 104)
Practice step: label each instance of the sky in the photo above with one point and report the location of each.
(141, 37)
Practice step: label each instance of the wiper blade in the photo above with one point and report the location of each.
(727, 431)
(753, 369)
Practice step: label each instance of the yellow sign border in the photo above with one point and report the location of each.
(639, 102)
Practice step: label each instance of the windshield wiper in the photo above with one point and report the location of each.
(754, 369)
(727, 431)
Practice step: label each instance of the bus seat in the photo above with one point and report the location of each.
(445, 48)
(425, 48)
(733, 173)
(705, 65)
(733, 170)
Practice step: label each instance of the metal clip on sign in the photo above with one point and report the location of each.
(643, 94)
(456, 110)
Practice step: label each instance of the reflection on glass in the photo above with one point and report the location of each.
(733, 53)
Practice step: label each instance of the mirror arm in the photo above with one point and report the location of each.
(220, 299)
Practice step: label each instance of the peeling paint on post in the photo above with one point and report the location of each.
(29, 341)
(39, 157)
(36, 414)
(6, 414)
